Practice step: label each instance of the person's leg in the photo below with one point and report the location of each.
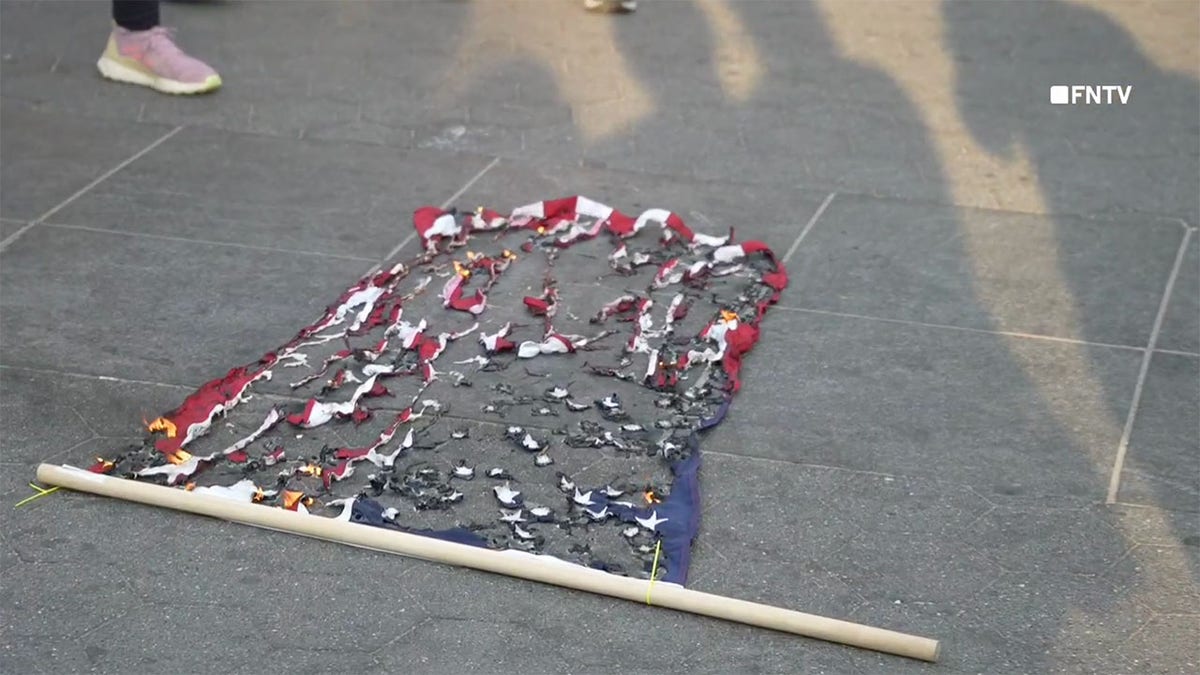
(135, 15)
(140, 51)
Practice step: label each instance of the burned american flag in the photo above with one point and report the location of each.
(517, 385)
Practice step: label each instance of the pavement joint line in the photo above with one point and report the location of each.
(986, 512)
(449, 200)
(90, 376)
(807, 464)
(1177, 352)
(1114, 481)
(966, 329)
(808, 227)
(206, 242)
(1153, 507)
(73, 448)
(374, 653)
(84, 190)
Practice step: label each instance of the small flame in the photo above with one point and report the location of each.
(311, 470)
(161, 424)
(291, 498)
(472, 256)
(462, 271)
(104, 463)
(259, 495)
(729, 316)
(541, 229)
(651, 498)
(179, 457)
(189, 487)
(510, 255)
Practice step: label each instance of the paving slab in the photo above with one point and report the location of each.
(1159, 463)
(967, 413)
(312, 196)
(55, 155)
(879, 504)
(1019, 625)
(1018, 538)
(142, 308)
(1062, 622)
(987, 269)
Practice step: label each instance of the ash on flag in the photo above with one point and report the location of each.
(538, 381)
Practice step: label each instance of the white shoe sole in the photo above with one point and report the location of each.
(610, 6)
(119, 72)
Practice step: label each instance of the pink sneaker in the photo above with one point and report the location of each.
(151, 58)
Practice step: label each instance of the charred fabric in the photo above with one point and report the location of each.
(569, 425)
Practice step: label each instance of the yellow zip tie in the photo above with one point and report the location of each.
(41, 492)
(653, 569)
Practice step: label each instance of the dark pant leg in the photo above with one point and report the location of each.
(135, 14)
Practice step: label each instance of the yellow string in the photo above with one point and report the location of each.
(653, 569)
(41, 492)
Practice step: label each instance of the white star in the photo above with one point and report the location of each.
(584, 499)
(652, 522)
(506, 495)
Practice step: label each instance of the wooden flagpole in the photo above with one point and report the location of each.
(510, 563)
